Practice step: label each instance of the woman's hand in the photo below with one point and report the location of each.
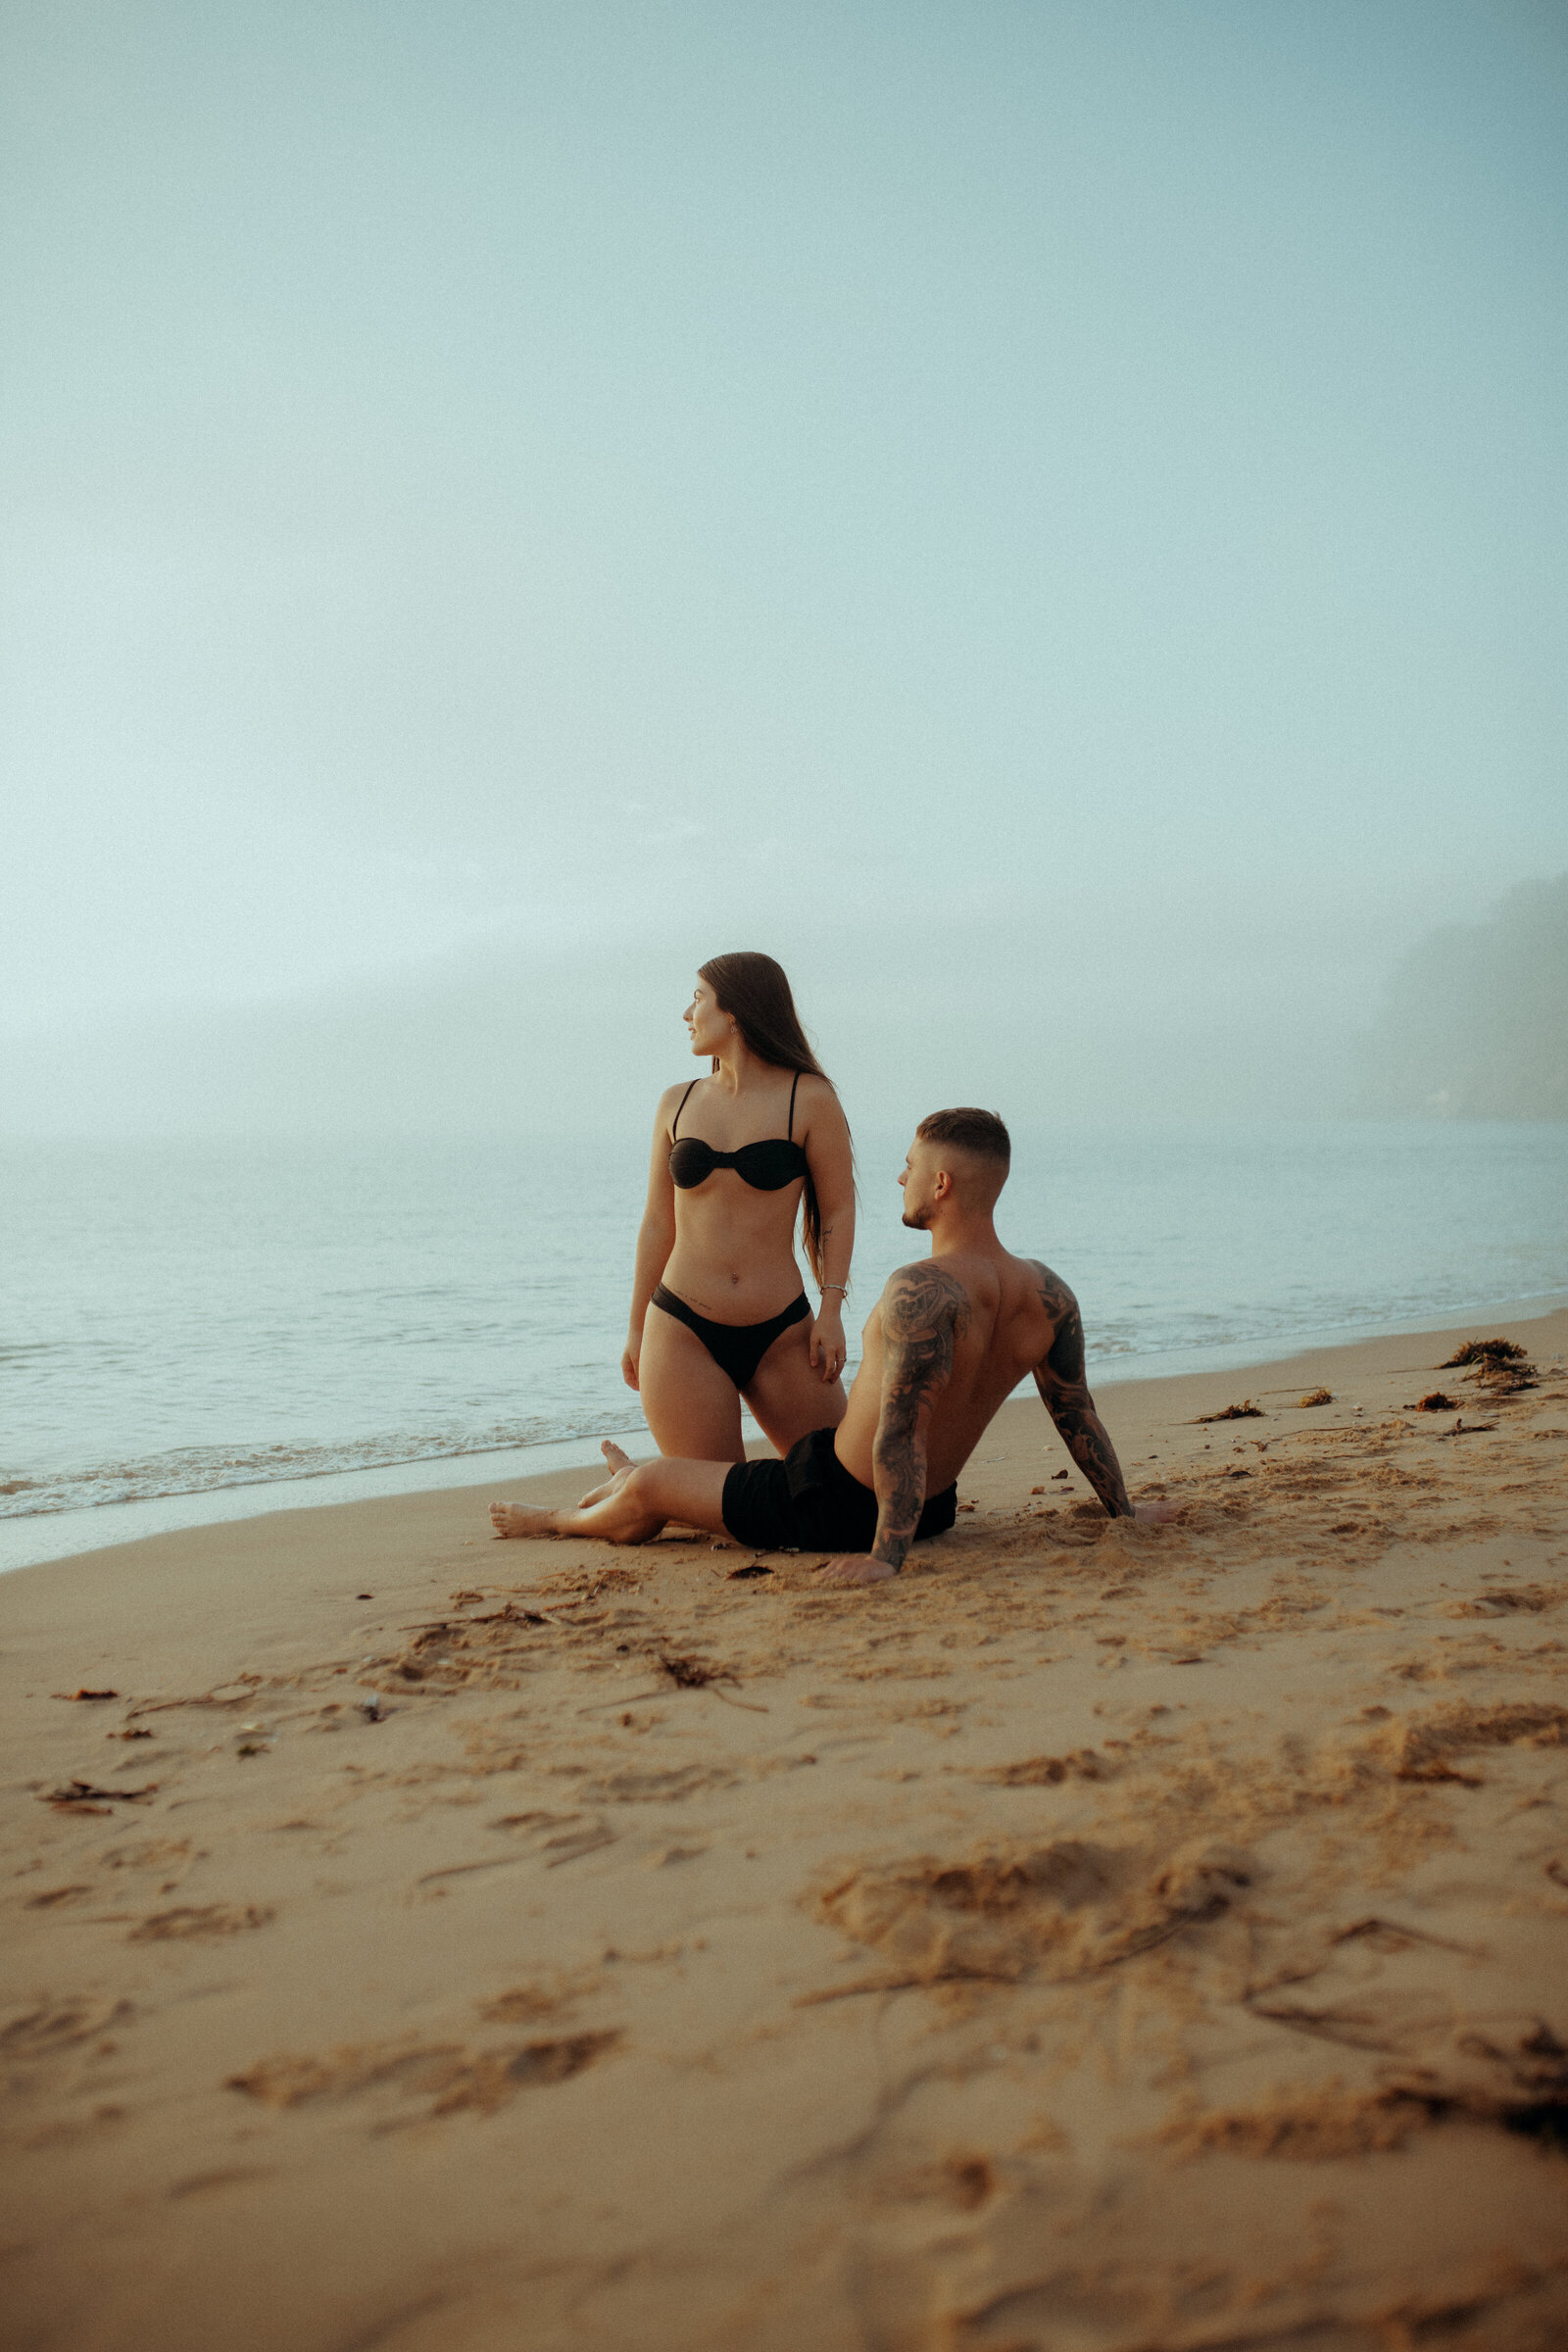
(630, 1357)
(827, 1348)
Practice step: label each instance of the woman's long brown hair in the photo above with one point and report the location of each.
(755, 993)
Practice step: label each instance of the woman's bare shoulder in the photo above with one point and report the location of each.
(817, 1097)
(670, 1100)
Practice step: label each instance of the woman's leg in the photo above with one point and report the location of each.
(636, 1506)
(693, 1408)
(788, 1396)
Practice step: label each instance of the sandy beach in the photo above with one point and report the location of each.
(1101, 1939)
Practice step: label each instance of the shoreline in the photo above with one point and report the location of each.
(29, 1539)
(417, 1940)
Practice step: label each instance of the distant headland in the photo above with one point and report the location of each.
(1474, 1023)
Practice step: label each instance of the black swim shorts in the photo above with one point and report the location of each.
(809, 1503)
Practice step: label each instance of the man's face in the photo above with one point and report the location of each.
(918, 1178)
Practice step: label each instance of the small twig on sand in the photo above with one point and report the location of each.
(694, 1673)
(85, 1797)
(637, 1698)
(938, 1976)
(691, 1674)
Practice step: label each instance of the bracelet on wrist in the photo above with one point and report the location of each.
(841, 1286)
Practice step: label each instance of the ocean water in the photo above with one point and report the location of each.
(184, 1318)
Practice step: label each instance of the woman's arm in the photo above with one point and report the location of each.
(656, 1235)
(831, 1160)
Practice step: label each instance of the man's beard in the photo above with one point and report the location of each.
(915, 1219)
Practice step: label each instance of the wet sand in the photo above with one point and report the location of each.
(1101, 1939)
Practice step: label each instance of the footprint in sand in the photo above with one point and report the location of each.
(450, 2075)
(1045, 1772)
(546, 1996)
(1424, 1748)
(49, 2026)
(1447, 2024)
(198, 1920)
(1006, 1911)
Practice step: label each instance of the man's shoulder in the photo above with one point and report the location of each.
(920, 1295)
(1056, 1295)
(1061, 1361)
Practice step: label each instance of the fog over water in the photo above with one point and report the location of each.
(1050, 519)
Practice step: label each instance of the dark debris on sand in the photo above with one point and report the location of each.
(1484, 1352)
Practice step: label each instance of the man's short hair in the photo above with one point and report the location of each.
(978, 1131)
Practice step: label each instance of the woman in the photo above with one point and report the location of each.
(717, 1311)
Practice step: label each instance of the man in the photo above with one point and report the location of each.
(946, 1343)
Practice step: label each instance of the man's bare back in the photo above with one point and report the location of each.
(1008, 1318)
(950, 1339)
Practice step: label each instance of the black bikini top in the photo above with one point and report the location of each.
(767, 1166)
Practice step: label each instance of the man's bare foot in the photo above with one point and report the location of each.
(521, 1519)
(619, 1462)
(854, 1568)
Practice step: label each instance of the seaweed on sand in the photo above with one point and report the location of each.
(1484, 1352)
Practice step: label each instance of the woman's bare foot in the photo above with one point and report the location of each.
(616, 1455)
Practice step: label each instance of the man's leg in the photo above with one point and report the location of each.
(633, 1507)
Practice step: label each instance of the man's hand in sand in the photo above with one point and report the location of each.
(863, 1568)
(854, 1568)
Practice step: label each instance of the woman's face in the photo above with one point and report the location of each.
(708, 1027)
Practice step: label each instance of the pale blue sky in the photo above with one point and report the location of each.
(485, 476)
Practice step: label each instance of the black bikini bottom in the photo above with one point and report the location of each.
(809, 1503)
(737, 1348)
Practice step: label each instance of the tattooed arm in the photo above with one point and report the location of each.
(923, 1310)
(1059, 1378)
